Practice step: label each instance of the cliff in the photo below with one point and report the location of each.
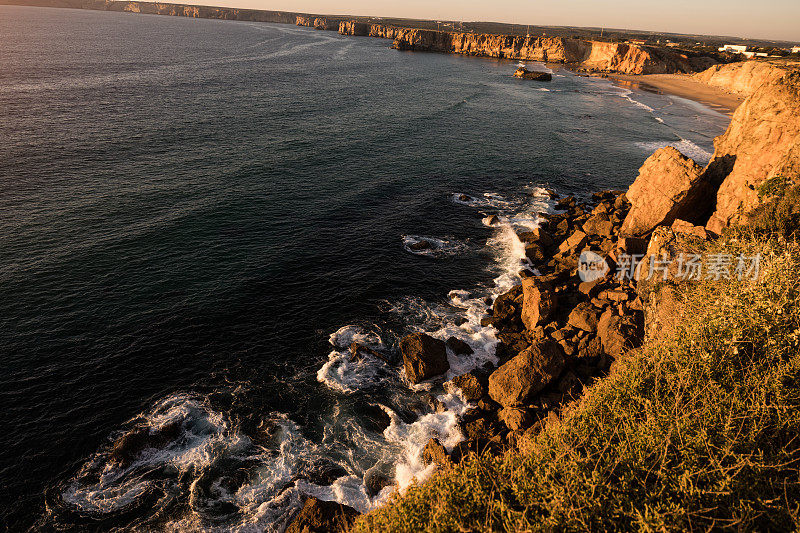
(587, 55)
(318, 23)
(761, 143)
(743, 78)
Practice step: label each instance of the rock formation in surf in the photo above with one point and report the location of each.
(526, 74)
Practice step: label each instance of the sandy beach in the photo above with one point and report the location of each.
(684, 86)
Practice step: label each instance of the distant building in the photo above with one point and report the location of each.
(734, 48)
(637, 41)
(796, 50)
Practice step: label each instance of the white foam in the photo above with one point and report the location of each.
(437, 247)
(203, 436)
(685, 146)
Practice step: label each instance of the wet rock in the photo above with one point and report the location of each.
(538, 236)
(538, 302)
(584, 317)
(374, 417)
(434, 452)
(321, 472)
(374, 482)
(319, 516)
(459, 347)
(420, 245)
(423, 356)
(525, 74)
(471, 386)
(128, 447)
(491, 220)
(534, 252)
(518, 380)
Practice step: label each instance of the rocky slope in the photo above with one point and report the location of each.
(587, 55)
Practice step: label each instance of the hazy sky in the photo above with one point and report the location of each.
(768, 19)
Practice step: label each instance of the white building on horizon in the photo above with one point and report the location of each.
(734, 48)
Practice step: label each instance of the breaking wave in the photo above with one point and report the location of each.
(685, 146)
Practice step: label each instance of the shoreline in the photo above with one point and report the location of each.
(683, 86)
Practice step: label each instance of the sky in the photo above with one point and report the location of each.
(762, 19)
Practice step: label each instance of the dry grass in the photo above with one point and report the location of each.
(696, 432)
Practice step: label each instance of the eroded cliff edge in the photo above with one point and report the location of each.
(592, 56)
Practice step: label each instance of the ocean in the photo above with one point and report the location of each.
(198, 217)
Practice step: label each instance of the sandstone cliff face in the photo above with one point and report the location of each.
(588, 55)
(179, 10)
(319, 23)
(762, 141)
(742, 78)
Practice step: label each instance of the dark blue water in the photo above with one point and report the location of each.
(190, 208)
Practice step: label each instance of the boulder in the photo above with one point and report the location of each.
(420, 245)
(538, 302)
(515, 419)
(584, 317)
(319, 516)
(669, 186)
(526, 74)
(538, 236)
(574, 243)
(617, 334)
(434, 452)
(687, 228)
(459, 347)
(521, 378)
(374, 482)
(471, 387)
(599, 224)
(423, 356)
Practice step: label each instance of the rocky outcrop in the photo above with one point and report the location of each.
(423, 356)
(670, 186)
(762, 142)
(319, 516)
(742, 78)
(526, 74)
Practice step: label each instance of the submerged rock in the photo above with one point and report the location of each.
(459, 347)
(423, 356)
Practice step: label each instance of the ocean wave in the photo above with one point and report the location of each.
(684, 146)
